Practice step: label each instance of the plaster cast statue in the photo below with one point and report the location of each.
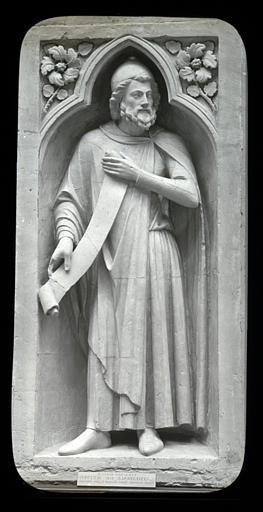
(143, 323)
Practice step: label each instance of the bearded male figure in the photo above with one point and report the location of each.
(132, 300)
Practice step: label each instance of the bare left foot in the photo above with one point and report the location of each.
(149, 441)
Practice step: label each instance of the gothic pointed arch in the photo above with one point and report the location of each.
(100, 65)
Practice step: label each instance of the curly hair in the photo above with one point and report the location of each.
(119, 92)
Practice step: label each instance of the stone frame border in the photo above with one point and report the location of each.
(223, 469)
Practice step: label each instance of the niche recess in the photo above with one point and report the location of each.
(61, 366)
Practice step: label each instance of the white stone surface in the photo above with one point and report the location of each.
(49, 367)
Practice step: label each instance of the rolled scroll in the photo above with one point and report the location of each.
(109, 202)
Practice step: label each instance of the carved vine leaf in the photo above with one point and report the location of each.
(196, 65)
(72, 59)
(202, 75)
(210, 60)
(61, 67)
(58, 53)
(56, 79)
(48, 90)
(210, 89)
(62, 94)
(193, 90)
(70, 75)
(195, 50)
(187, 74)
(173, 46)
(183, 59)
(85, 49)
(210, 45)
(47, 65)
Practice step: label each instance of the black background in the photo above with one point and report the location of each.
(17, 20)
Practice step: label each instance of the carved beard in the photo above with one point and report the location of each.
(142, 118)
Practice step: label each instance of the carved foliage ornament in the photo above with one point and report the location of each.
(196, 65)
(61, 67)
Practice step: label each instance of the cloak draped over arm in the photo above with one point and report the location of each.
(72, 213)
(72, 207)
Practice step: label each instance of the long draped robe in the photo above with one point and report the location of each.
(136, 309)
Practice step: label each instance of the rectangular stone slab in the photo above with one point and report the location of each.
(51, 119)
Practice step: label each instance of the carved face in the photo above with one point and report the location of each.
(138, 95)
(137, 104)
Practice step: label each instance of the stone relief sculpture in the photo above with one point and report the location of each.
(140, 289)
(129, 364)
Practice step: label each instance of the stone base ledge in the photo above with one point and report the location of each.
(180, 465)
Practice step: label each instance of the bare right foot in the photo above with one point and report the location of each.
(89, 440)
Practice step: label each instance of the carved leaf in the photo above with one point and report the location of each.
(48, 90)
(70, 75)
(210, 89)
(203, 75)
(85, 49)
(193, 90)
(71, 55)
(47, 65)
(210, 45)
(62, 94)
(173, 46)
(187, 73)
(182, 59)
(210, 60)
(71, 59)
(196, 50)
(58, 53)
(56, 78)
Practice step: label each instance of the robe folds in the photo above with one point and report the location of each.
(140, 311)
